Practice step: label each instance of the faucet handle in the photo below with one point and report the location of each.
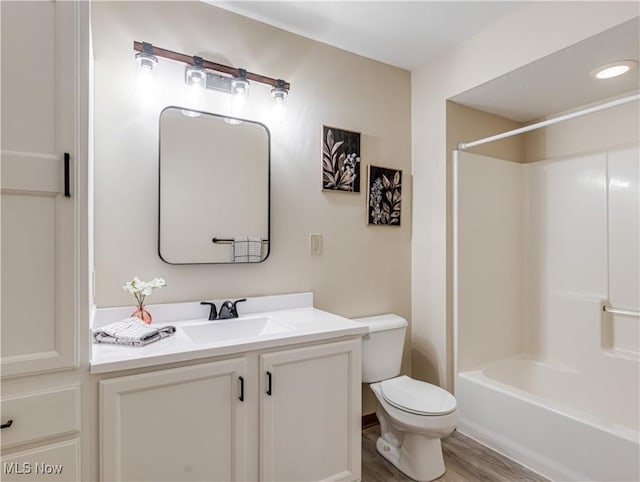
(229, 309)
(213, 313)
(235, 305)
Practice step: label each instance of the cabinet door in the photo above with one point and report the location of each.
(40, 90)
(50, 463)
(183, 424)
(311, 413)
(41, 415)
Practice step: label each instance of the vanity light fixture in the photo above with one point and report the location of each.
(145, 59)
(240, 91)
(145, 72)
(279, 92)
(240, 84)
(614, 69)
(194, 74)
(210, 75)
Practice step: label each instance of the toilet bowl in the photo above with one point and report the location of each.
(413, 415)
(410, 440)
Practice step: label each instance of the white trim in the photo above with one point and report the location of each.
(454, 268)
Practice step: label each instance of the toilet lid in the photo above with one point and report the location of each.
(417, 397)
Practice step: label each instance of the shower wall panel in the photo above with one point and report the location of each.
(624, 248)
(539, 248)
(567, 253)
(490, 251)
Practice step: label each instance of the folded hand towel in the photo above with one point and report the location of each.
(246, 249)
(132, 332)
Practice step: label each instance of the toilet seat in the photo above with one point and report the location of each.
(419, 398)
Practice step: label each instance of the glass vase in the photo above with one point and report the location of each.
(142, 313)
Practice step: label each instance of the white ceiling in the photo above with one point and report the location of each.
(407, 34)
(410, 34)
(562, 80)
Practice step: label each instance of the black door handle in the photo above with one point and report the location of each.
(241, 397)
(6, 425)
(269, 383)
(67, 170)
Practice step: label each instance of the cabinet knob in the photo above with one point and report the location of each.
(6, 425)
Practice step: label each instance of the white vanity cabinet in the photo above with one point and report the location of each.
(44, 164)
(35, 418)
(43, 139)
(282, 415)
(50, 463)
(310, 417)
(186, 424)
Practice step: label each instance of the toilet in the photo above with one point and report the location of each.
(413, 415)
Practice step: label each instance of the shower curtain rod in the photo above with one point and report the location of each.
(463, 146)
(619, 311)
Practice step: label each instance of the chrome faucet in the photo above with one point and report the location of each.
(229, 309)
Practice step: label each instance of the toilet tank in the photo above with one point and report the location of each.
(382, 347)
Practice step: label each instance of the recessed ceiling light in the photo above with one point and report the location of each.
(614, 69)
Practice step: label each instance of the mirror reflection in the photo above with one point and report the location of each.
(214, 188)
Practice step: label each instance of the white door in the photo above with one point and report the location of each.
(182, 424)
(311, 413)
(39, 105)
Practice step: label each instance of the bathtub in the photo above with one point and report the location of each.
(553, 420)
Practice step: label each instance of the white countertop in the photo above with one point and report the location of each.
(308, 325)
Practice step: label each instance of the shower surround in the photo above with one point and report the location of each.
(543, 374)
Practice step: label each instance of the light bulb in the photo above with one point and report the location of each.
(195, 76)
(240, 86)
(146, 61)
(279, 92)
(146, 71)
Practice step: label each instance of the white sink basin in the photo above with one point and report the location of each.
(235, 329)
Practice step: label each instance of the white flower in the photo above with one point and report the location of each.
(157, 283)
(141, 289)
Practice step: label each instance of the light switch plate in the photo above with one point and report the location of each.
(315, 244)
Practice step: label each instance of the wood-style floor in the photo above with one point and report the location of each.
(466, 461)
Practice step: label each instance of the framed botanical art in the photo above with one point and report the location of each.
(384, 198)
(340, 160)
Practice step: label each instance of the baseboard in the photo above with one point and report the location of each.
(369, 420)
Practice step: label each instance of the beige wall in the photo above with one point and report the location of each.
(363, 270)
(618, 126)
(468, 124)
(595, 132)
(508, 44)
